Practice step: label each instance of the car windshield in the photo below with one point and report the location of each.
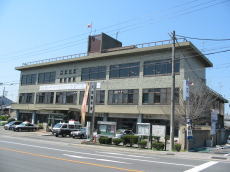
(11, 122)
(58, 125)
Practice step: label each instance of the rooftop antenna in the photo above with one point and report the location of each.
(117, 35)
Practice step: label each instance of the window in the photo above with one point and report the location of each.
(45, 98)
(61, 80)
(47, 77)
(124, 70)
(66, 97)
(74, 79)
(160, 67)
(93, 73)
(65, 80)
(69, 79)
(159, 96)
(26, 98)
(70, 71)
(74, 70)
(61, 72)
(66, 72)
(29, 97)
(100, 96)
(71, 97)
(28, 79)
(123, 97)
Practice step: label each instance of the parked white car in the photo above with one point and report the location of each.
(81, 133)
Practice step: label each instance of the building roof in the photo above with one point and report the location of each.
(4, 101)
(145, 48)
(219, 96)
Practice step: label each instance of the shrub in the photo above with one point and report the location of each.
(40, 126)
(4, 117)
(177, 147)
(156, 138)
(129, 139)
(10, 120)
(142, 144)
(158, 145)
(3, 123)
(105, 140)
(117, 141)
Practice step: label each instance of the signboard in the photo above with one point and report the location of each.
(158, 130)
(106, 128)
(76, 86)
(143, 129)
(189, 129)
(92, 97)
(185, 90)
(214, 118)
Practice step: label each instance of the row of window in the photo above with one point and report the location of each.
(115, 97)
(67, 80)
(70, 71)
(163, 67)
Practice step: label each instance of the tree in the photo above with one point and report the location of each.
(201, 100)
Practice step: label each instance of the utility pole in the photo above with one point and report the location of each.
(172, 94)
(2, 100)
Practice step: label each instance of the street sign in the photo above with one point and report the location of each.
(189, 129)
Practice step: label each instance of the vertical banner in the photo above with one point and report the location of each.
(84, 104)
(185, 90)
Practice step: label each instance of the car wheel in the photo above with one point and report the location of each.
(56, 135)
(82, 136)
(73, 136)
(19, 129)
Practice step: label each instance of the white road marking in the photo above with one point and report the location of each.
(136, 156)
(227, 154)
(85, 153)
(202, 166)
(108, 160)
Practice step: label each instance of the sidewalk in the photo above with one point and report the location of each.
(186, 155)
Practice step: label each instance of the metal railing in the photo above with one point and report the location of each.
(143, 45)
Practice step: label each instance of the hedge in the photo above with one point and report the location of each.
(158, 145)
(105, 140)
(129, 139)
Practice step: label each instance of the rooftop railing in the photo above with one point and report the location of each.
(143, 45)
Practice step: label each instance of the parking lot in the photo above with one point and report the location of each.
(40, 134)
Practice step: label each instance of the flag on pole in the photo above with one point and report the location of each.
(89, 25)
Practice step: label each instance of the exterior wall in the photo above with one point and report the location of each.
(140, 83)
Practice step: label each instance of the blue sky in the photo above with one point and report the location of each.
(33, 30)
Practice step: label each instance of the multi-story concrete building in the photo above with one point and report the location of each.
(133, 82)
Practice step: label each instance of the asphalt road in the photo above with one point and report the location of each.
(23, 154)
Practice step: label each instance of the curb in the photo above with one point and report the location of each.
(217, 157)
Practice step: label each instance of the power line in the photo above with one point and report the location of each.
(203, 39)
(130, 26)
